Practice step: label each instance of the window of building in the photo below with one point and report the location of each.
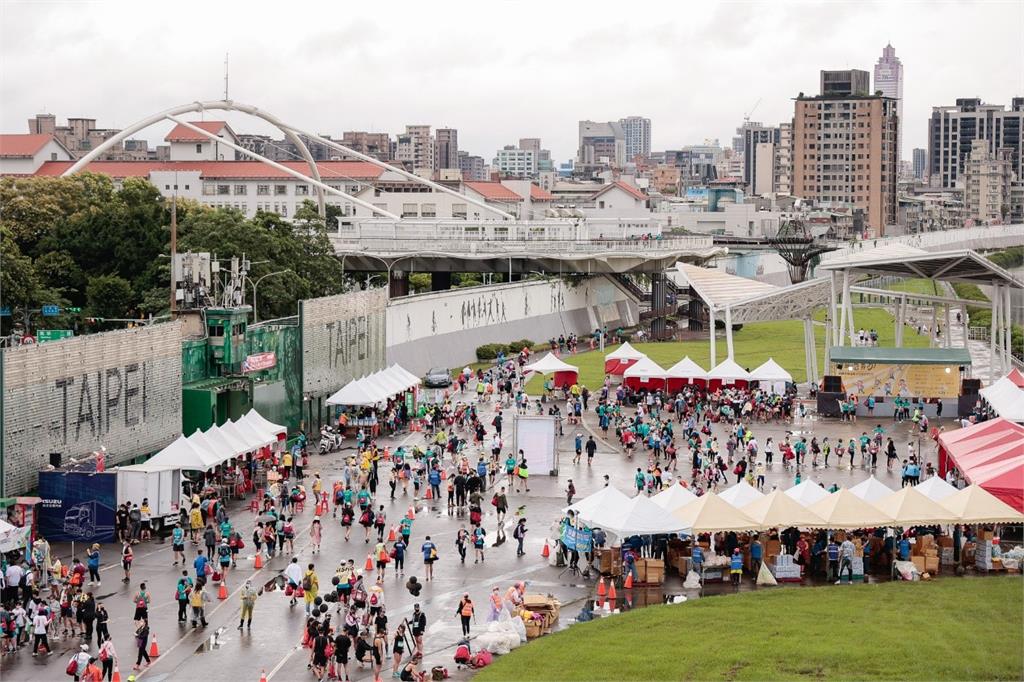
(301, 190)
(209, 189)
(280, 190)
(240, 190)
(428, 210)
(410, 210)
(263, 190)
(199, 148)
(223, 189)
(284, 210)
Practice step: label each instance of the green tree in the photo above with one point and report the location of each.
(109, 296)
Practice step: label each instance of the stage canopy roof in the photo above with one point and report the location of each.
(951, 357)
(907, 261)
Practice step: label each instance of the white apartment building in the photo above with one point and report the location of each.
(516, 162)
(416, 147)
(987, 180)
(188, 145)
(637, 133)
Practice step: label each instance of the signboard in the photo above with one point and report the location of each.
(44, 335)
(343, 338)
(579, 538)
(906, 380)
(119, 389)
(76, 506)
(259, 361)
(535, 436)
(50, 310)
(5, 311)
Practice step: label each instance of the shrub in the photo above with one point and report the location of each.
(517, 346)
(489, 351)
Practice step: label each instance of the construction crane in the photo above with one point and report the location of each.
(746, 116)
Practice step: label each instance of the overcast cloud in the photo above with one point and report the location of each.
(497, 71)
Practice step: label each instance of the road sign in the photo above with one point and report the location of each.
(50, 310)
(44, 335)
(5, 311)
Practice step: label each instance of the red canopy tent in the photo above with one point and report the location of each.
(684, 372)
(644, 375)
(621, 358)
(990, 454)
(565, 374)
(1016, 377)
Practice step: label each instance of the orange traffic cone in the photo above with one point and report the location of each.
(263, 675)
(611, 591)
(223, 592)
(429, 495)
(629, 581)
(546, 552)
(391, 535)
(600, 587)
(258, 564)
(117, 675)
(154, 650)
(412, 513)
(369, 562)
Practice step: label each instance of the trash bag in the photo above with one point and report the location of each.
(520, 628)
(765, 577)
(692, 581)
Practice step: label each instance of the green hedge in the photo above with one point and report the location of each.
(489, 351)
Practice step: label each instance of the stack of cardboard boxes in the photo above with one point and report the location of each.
(946, 551)
(540, 612)
(784, 569)
(925, 554)
(609, 561)
(983, 552)
(651, 571)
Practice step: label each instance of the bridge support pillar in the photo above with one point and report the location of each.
(659, 306)
(440, 281)
(398, 284)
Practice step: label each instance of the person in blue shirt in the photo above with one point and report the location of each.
(200, 566)
(579, 447)
(736, 566)
(832, 552)
(629, 563)
(178, 544)
(434, 479)
(697, 557)
(429, 550)
(756, 552)
(93, 564)
(904, 549)
(867, 556)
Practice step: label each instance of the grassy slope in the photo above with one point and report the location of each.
(917, 286)
(755, 343)
(950, 629)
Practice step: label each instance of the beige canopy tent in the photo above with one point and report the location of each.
(709, 513)
(741, 494)
(974, 504)
(779, 510)
(843, 509)
(911, 508)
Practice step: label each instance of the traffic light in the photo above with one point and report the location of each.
(73, 310)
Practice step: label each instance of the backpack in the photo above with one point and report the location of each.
(482, 659)
(72, 668)
(462, 654)
(307, 583)
(140, 602)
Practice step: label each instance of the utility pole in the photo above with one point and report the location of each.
(174, 249)
(225, 76)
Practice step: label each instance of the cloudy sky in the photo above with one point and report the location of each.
(495, 70)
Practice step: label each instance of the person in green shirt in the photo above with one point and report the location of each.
(510, 468)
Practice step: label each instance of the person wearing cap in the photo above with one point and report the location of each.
(224, 556)
(736, 566)
(249, 595)
(579, 448)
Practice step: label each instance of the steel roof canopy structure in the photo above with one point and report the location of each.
(951, 266)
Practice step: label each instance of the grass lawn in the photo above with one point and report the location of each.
(950, 629)
(918, 286)
(754, 343)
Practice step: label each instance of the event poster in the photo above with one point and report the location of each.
(907, 380)
(577, 538)
(77, 506)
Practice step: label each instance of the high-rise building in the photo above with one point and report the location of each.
(530, 143)
(920, 163)
(844, 149)
(602, 145)
(987, 181)
(759, 144)
(889, 79)
(377, 145)
(637, 133)
(474, 168)
(80, 136)
(446, 148)
(416, 148)
(845, 83)
(953, 130)
(514, 162)
(782, 168)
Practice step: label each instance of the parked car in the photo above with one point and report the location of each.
(438, 377)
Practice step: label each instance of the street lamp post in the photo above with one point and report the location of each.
(255, 310)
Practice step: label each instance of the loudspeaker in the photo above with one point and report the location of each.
(828, 403)
(832, 384)
(970, 386)
(55, 460)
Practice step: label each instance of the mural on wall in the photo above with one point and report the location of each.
(343, 338)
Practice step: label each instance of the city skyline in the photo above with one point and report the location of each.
(381, 85)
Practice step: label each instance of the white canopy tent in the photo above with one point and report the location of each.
(686, 369)
(871, 490)
(625, 352)
(935, 488)
(228, 439)
(182, 454)
(250, 438)
(638, 516)
(608, 496)
(644, 368)
(728, 372)
(374, 388)
(674, 497)
(741, 494)
(772, 377)
(1006, 398)
(212, 451)
(257, 419)
(807, 493)
(549, 364)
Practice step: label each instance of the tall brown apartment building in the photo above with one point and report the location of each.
(845, 147)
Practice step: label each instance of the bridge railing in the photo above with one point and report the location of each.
(519, 246)
(926, 240)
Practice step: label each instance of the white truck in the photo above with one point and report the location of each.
(162, 487)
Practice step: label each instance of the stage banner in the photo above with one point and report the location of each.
(906, 380)
(579, 539)
(77, 506)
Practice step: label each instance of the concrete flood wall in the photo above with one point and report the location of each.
(444, 329)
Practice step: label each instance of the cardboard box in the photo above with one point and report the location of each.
(919, 562)
(655, 571)
(945, 541)
(533, 629)
(931, 564)
(772, 547)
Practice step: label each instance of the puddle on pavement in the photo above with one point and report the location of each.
(213, 642)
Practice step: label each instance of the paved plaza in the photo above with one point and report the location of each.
(222, 652)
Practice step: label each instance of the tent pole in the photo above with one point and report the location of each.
(711, 327)
(993, 333)
(728, 331)
(833, 319)
(841, 335)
